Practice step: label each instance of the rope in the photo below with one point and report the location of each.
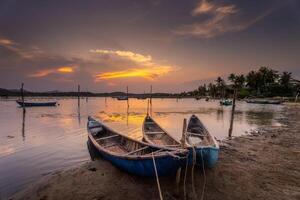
(193, 166)
(204, 176)
(184, 180)
(157, 180)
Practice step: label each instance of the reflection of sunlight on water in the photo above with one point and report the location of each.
(55, 138)
(6, 150)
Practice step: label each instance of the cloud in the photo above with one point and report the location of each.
(150, 73)
(220, 19)
(25, 53)
(126, 54)
(46, 72)
(144, 66)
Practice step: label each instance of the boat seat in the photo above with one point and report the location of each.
(110, 145)
(108, 137)
(154, 132)
(149, 122)
(137, 150)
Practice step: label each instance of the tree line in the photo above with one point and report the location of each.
(265, 82)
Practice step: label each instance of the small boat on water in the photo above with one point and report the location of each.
(225, 102)
(122, 98)
(35, 104)
(263, 101)
(206, 147)
(134, 156)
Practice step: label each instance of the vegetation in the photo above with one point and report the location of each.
(264, 82)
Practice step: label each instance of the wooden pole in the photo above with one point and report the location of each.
(22, 97)
(232, 114)
(127, 97)
(183, 137)
(78, 97)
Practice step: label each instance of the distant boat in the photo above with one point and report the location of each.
(122, 98)
(263, 101)
(154, 134)
(133, 156)
(206, 146)
(225, 102)
(35, 104)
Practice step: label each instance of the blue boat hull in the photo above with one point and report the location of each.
(209, 155)
(144, 167)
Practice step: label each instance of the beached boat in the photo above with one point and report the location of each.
(134, 156)
(35, 104)
(154, 134)
(263, 101)
(206, 147)
(225, 102)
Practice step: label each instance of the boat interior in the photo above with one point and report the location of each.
(197, 134)
(118, 144)
(156, 134)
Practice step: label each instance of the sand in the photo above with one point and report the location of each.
(263, 165)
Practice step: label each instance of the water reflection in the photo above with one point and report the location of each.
(56, 137)
(23, 124)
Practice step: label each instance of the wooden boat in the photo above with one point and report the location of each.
(154, 134)
(263, 101)
(35, 104)
(225, 102)
(133, 156)
(206, 146)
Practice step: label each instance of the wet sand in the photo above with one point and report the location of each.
(263, 165)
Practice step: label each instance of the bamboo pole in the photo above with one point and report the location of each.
(22, 97)
(78, 96)
(127, 97)
(232, 114)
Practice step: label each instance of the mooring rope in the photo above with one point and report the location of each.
(157, 179)
(204, 176)
(193, 166)
(184, 180)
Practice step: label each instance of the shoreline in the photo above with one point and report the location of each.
(263, 165)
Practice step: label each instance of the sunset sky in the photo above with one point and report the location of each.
(174, 45)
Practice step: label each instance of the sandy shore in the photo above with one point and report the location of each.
(265, 165)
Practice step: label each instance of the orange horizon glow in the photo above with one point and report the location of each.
(147, 73)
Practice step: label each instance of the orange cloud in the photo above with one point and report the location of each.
(147, 73)
(65, 69)
(46, 72)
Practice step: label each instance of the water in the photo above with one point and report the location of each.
(49, 139)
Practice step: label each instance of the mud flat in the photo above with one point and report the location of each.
(263, 165)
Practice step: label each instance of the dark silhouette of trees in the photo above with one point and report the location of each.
(264, 82)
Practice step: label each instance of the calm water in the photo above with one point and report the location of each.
(48, 139)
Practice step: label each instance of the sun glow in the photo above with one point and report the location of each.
(147, 73)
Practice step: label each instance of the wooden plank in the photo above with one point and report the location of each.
(135, 151)
(154, 132)
(108, 137)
